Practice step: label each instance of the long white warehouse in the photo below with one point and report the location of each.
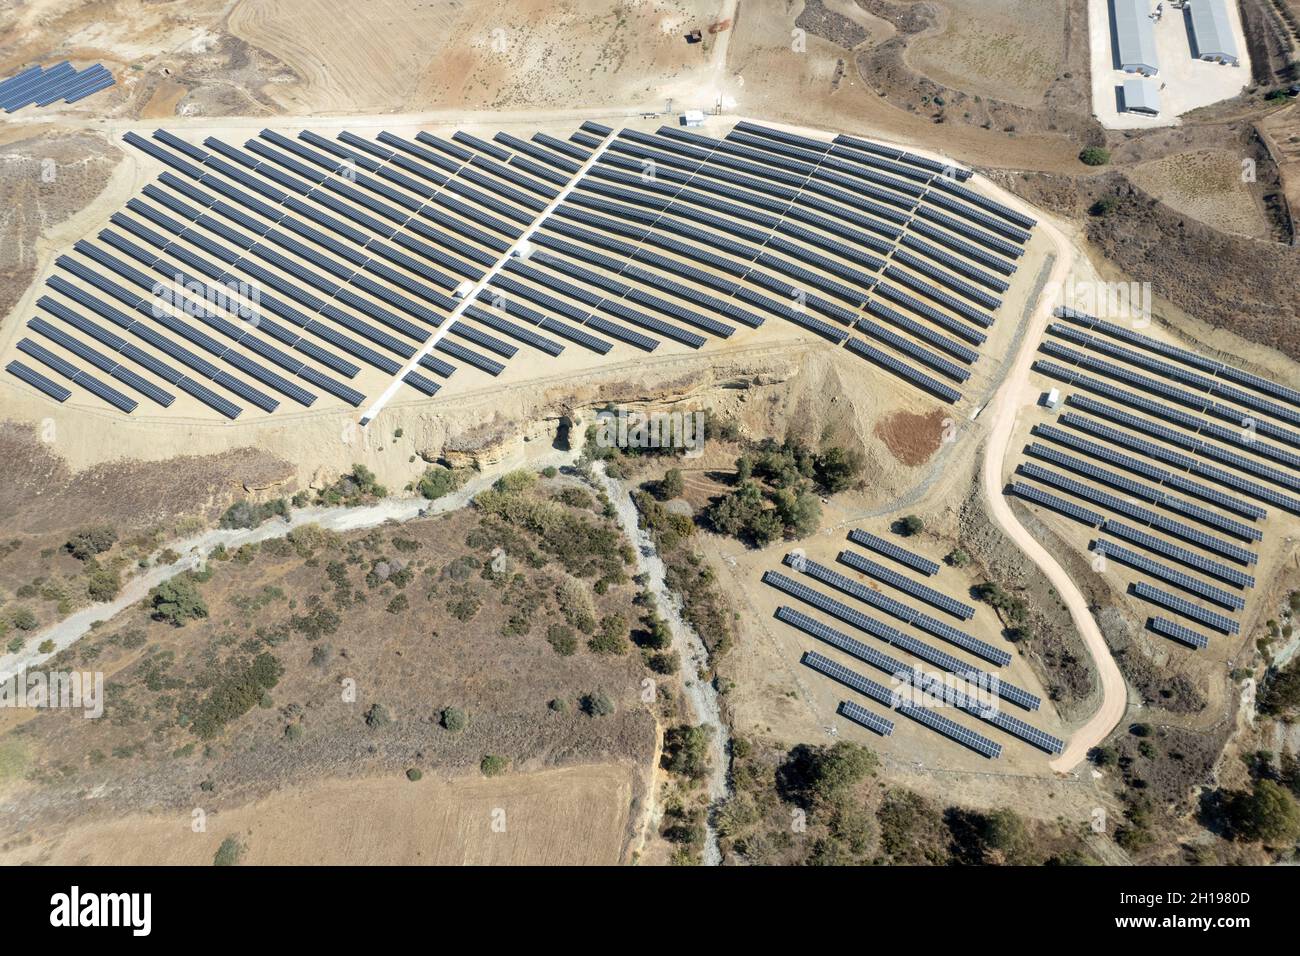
(1212, 32)
(1135, 36)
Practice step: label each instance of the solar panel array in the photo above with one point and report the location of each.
(38, 86)
(358, 249)
(913, 691)
(980, 704)
(897, 552)
(898, 609)
(1160, 425)
(922, 715)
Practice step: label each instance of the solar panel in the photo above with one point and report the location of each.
(1177, 578)
(1180, 554)
(1040, 497)
(897, 609)
(902, 641)
(1143, 491)
(922, 715)
(929, 595)
(864, 717)
(927, 382)
(1160, 453)
(1186, 608)
(897, 552)
(1179, 633)
(38, 381)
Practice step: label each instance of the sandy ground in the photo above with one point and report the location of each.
(565, 817)
(1184, 83)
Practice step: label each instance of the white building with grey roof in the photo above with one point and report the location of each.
(1135, 36)
(1212, 32)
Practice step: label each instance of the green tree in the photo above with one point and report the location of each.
(1267, 812)
(912, 525)
(686, 750)
(229, 853)
(838, 468)
(493, 766)
(177, 600)
(670, 485)
(799, 510)
(454, 719)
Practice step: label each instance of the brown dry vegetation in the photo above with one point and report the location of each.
(415, 618)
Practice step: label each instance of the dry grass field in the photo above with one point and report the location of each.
(1206, 185)
(1007, 49)
(565, 817)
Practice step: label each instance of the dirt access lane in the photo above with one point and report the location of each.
(1015, 394)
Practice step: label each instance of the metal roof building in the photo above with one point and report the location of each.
(1135, 36)
(1141, 96)
(1212, 32)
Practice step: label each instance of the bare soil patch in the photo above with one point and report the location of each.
(911, 438)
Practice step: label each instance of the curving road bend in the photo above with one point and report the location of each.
(1014, 394)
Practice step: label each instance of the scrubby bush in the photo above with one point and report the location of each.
(453, 719)
(89, 542)
(492, 765)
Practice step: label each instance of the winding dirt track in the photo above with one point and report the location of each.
(1015, 394)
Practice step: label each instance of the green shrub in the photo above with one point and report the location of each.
(229, 853)
(493, 766)
(454, 719)
(1094, 156)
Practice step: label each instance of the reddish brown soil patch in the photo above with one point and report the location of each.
(912, 438)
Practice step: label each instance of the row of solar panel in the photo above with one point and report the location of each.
(1196, 466)
(1144, 492)
(1219, 369)
(911, 645)
(1201, 404)
(957, 609)
(41, 87)
(816, 177)
(1129, 509)
(897, 552)
(1142, 466)
(782, 206)
(487, 365)
(1243, 436)
(978, 704)
(1155, 569)
(898, 609)
(1177, 373)
(1006, 221)
(893, 699)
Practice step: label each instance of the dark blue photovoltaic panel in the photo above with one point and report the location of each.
(38, 381)
(897, 552)
(1179, 633)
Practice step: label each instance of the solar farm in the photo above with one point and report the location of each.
(38, 86)
(314, 272)
(1172, 469)
(906, 647)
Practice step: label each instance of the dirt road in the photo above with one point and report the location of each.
(1015, 394)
